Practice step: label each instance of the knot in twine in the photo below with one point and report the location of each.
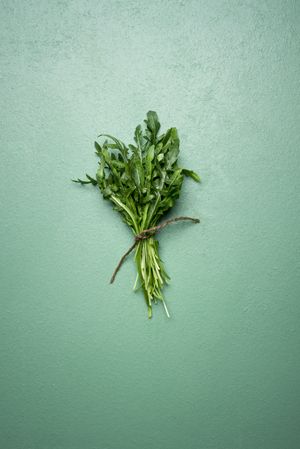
(146, 234)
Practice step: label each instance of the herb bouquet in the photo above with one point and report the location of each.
(143, 181)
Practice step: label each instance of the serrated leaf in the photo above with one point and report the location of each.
(191, 174)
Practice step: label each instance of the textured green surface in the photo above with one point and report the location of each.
(82, 367)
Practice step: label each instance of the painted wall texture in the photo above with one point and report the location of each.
(82, 367)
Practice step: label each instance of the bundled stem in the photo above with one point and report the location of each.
(150, 268)
(151, 272)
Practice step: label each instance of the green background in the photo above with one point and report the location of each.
(82, 367)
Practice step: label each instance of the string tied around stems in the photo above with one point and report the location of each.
(146, 234)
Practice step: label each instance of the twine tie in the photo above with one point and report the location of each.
(146, 234)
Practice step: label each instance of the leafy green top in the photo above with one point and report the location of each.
(142, 180)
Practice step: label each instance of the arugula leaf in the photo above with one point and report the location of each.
(191, 174)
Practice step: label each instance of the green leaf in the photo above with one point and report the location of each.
(98, 148)
(120, 145)
(148, 161)
(90, 180)
(191, 174)
(80, 181)
(138, 173)
(138, 137)
(153, 125)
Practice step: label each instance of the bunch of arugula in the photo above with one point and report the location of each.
(143, 181)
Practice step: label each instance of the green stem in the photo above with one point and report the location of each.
(151, 272)
(125, 208)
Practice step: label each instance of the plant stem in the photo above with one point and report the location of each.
(151, 272)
